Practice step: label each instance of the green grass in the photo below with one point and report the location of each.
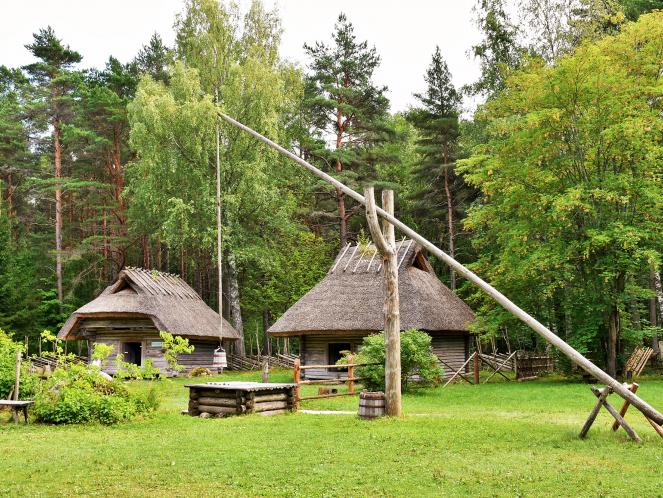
(503, 439)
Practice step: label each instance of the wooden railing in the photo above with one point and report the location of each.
(350, 379)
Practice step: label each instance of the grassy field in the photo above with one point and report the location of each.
(503, 439)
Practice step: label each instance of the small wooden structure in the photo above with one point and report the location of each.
(637, 362)
(371, 405)
(347, 305)
(602, 395)
(130, 313)
(17, 407)
(221, 399)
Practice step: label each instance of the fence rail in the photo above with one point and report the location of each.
(350, 379)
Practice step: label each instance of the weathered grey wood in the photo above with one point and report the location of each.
(457, 372)
(273, 412)
(371, 405)
(497, 370)
(206, 400)
(500, 298)
(593, 414)
(217, 409)
(270, 405)
(633, 387)
(629, 430)
(271, 397)
(385, 241)
(17, 382)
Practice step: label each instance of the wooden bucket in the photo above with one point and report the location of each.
(371, 405)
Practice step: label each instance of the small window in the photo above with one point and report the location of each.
(156, 344)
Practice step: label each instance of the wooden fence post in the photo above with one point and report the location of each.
(265, 371)
(296, 375)
(351, 374)
(18, 373)
(476, 367)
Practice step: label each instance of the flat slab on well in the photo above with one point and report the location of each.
(240, 386)
(16, 404)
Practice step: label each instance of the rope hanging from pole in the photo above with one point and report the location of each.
(620, 389)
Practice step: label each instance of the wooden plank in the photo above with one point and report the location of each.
(595, 411)
(629, 430)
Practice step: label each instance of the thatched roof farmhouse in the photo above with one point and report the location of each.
(130, 313)
(348, 305)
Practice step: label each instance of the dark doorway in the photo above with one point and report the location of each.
(335, 354)
(132, 352)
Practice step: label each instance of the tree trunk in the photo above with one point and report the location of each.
(340, 196)
(385, 241)
(656, 285)
(613, 337)
(450, 222)
(58, 206)
(234, 303)
(266, 322)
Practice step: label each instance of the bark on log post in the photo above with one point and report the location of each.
(633, 388)
(18, 374)
(386, 244)
(351, 375)
(595, 411)
(620, 420)
(476, 368)
(296, 373)
(577, 358)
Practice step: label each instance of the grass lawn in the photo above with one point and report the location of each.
(502, 439)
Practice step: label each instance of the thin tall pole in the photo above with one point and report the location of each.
(219, 247)
(500, 298)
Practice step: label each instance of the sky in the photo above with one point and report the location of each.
(404, 32)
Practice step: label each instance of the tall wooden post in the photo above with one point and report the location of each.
(385, 241)
(351, 374)
(296, 380)
(476, 368)
(18, 374)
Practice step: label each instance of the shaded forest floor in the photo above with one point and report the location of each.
(502, 439)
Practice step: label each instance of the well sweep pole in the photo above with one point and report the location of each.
(648, 410)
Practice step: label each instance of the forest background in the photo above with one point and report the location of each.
(550, 189)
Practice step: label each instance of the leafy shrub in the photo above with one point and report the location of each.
(77, 393)
(417, 358)
(29, 381)
(174, 345)
(200, 372)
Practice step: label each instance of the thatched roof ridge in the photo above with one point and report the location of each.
(165, 298)
(351, 297)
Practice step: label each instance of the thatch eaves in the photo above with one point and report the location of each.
(166, 299)
(351, 297)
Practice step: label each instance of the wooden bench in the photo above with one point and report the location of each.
(16, 408)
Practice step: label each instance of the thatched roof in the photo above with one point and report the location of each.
(166, 299)
(351, 297)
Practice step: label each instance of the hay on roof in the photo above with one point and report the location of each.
(351, 298)
(166, 299)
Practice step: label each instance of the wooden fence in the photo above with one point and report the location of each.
(255, 362)
(350, 379)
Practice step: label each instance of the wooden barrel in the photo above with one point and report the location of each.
(371, 405)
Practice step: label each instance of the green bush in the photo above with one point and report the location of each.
(417, 358)
(29, 382)
(77, 394)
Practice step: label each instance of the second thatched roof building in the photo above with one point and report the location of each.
(347, 305)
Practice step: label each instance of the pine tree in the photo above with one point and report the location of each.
(343, 101)
(437, 123)
(154, 58)
(55, 80)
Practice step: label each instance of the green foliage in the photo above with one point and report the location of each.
(570, 218)
(126, 370)
(28, 381)
(174, 345)
(76, 394)
(417, 358)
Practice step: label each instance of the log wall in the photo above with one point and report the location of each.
(452, 348)
(117, 333)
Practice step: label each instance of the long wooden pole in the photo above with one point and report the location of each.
(500, 298)
(385, 241)
(18, 374)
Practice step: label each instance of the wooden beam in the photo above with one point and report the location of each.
(385, 241)
(629, 430)
(500, 298)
